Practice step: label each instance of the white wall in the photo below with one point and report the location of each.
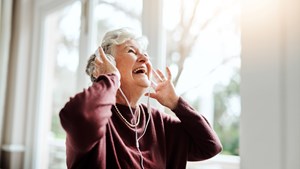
(270, 85)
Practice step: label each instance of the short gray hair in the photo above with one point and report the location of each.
(110, 40)
(119, 36)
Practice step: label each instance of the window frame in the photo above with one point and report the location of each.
(35, 118)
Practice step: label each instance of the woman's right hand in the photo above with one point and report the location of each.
(104, 66)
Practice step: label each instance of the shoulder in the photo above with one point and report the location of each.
(161, 114)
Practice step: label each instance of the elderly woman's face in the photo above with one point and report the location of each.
(133, 64)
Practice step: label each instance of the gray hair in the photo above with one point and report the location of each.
(110, 40)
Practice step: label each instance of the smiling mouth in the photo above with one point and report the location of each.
(140, 70)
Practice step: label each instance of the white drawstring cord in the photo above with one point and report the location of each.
(145, 129)
(135, 129)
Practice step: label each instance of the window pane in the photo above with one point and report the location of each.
(203, 52)
(61, 44)
(113, 14)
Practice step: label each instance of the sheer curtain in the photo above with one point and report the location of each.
(16, 23)
(5, 32)
(5, 35)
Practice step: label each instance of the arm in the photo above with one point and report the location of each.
(85, 116)
(192, 129)
(203, 141)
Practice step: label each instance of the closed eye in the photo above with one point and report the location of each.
(131, 51)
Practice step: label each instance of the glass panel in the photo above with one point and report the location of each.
(61, 45)
(203, 52)
(113, 14)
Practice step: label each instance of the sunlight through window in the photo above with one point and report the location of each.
(203, 51)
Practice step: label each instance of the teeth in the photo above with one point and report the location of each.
(140, 69)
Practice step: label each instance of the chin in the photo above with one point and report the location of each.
(144, 84)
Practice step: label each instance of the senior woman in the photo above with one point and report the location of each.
(108, 127)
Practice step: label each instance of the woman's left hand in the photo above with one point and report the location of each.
(164, 89)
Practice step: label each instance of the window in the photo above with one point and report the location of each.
(61, 59)
(61, 65)
(113, 14)
(203, 49)
(203, 52)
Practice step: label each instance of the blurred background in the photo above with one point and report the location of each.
(235, 61)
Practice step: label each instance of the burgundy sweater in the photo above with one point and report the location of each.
(98, 138)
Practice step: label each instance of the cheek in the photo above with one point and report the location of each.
(120, 64)
(124, 69)
(124, 60)
(125, 64)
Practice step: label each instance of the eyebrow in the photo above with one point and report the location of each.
(130, 46)
(135, 48)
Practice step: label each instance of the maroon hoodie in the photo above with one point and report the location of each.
(97, 138)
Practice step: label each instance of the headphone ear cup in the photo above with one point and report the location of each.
(111, 59)
(109, 56)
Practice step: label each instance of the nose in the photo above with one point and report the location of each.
(143, 58)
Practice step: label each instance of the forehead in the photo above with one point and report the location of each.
(130, 44)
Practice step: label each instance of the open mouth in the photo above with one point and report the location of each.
(140, 70)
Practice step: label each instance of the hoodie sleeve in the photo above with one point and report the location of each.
(84, 116)
(202, 139)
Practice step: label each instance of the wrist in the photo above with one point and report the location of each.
(173, 102)
(117, 74)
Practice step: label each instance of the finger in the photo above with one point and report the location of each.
(169, 74)
(102, 54)
(152, 95)
(156, 76)
(153, 84)
(97, 61)
(162, 76)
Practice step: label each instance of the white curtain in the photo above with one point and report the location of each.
(5, 35)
